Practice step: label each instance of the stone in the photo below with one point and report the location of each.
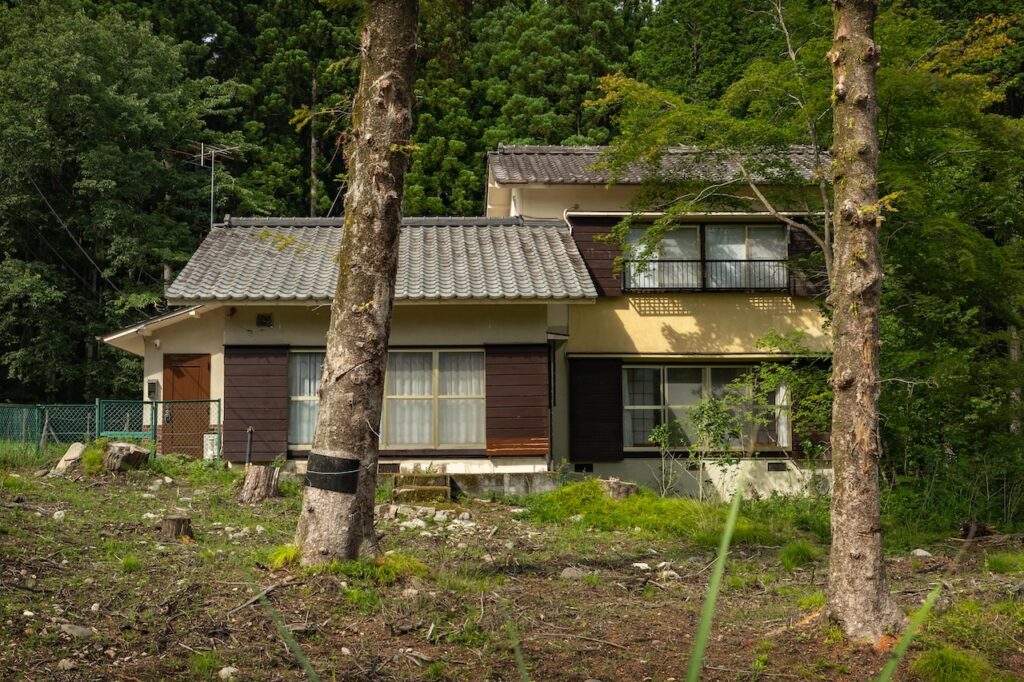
(149, 516)
(425, 512)
(345, 651)
(616, 489)
(405, 510)
(59, 515)
(668, 575)
(95, 608)
(640, 565)
(573, 573)
(65, 664)
(575, 518)
(228, 672)
(124, 456)
(442, 515)
(28, 614)
(464, 516)
(414, 523)
(391, 511)
(70, 460)
(77, 631)
(921, 553)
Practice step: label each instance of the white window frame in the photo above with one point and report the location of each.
(296, 351)
(665, 408)
(435, 399)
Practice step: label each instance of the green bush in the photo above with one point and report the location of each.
(952, 665)
(797, 554)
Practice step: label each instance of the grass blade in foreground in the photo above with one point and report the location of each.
(700, 642)
(287, 636)
(915, 624)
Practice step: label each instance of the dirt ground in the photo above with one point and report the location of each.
(457, 600)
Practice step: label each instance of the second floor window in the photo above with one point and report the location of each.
(710, 257)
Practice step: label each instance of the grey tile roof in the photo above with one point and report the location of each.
(575, 166)
(292, 259)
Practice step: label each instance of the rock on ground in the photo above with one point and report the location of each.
(228, 672)
(70, 459)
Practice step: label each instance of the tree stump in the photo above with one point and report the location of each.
(173, 528)
(124, 456)
(616, 489)
(259, 484)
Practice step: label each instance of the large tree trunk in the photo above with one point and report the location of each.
(859, 598)
(333, 524)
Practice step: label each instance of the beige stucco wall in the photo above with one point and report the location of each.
(411, 325)
(691, 323)
(552, 201)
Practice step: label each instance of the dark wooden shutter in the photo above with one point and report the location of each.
(255, 394)
(598, 255)
(807, 269)
(595, 410)
(518, 400)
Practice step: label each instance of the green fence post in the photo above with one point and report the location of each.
(96, 418)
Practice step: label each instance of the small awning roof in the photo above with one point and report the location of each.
(131, 338)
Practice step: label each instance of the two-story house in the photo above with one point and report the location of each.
(518, 341)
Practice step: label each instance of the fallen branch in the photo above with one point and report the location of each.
(260, 595)
(589, 639)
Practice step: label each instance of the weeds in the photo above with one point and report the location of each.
(204, 665)
(797, 554)
(1005, 562)
(285, 555)
(699, 522)
(131, 563)
(948, 664)
(814, 600)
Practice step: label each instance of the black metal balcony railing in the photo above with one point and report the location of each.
(705, 275)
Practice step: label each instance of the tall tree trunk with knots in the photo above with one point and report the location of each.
(333, 523)
(859, 598)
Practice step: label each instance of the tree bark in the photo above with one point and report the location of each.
(261, 481)
(859, 598)
(332, 525)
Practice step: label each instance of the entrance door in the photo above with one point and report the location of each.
(186, 377)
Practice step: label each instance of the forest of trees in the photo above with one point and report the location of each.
(99, 98)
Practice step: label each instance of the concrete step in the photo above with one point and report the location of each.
(422, 493)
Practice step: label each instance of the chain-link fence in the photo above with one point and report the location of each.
(187, 427)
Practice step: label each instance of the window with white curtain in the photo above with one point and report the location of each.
(305, 368)
(736, 256)
(434, 399)
(673, 264)
(654, 395)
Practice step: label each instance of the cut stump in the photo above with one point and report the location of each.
(173, 528)
(616, 489)
(259, 484)
(124, 456)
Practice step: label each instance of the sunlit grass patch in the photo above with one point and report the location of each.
(204, 665)
(1005, 562)
(699, 522)
(797, 554)
(285, 555)
(814, 600)
(386, 570)
(948, 664)
(131, 563)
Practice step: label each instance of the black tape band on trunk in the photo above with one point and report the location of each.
(332, 473)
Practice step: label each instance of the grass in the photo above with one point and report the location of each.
(204, 665)
(131, 563)
(92, 458)
(948, 664)
(814, 600)
(386, 570)
(1005, 562)
(285, 555)
(663, 517)
(797, 554)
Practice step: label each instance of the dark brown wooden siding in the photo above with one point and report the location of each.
(518, 400)
(255, 394)
(595, 410)
(599, 256)
(804, 253)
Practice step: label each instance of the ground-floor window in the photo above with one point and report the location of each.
(657, 394)
(305, 368)
(432, 399)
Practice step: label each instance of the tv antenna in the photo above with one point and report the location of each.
(203, 154)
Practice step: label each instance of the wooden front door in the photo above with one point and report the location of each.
(183, 425)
